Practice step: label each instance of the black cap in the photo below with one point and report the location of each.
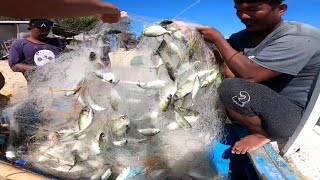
(41, 23)
(254, 1)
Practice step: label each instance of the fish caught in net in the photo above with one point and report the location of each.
(151, 113)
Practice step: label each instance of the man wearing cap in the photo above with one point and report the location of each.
(36, 50)
(272, 66)
(108, 12)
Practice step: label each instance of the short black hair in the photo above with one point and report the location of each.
(272, 2)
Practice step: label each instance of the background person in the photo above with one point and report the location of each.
(29, 53)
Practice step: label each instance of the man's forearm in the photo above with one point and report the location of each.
(56, 8)
(240, 65)
(226, 70)
(23, 68)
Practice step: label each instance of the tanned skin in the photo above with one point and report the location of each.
(60, 9)
(260, 20)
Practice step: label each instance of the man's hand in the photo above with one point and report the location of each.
(107, 18)
(210, 34)
(123, 14)
(111, 18)
(23, 67)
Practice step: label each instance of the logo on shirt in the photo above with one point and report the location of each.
(242, 99)
(43, 57)
(251, 57)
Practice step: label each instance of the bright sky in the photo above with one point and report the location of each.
(216, 13)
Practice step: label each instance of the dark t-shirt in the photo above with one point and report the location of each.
(292, 49)
(26, 52)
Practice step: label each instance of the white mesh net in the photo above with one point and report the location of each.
(152, 114)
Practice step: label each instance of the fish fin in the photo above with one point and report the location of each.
(139, 85)
(116, 83)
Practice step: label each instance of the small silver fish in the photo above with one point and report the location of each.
(169, 52)
(149, 131)
(154, 31)
(103, 141)
(176, 33)
(182, 121)
(120, 143)
(120, 125)
(85, 119)
(209, 79)
(172, 47)
(201, 74)
(115, 100)
(106, 174)
(190, 115)
(186, 112)
(193, 46)
(153, 84)
(170, 71)
(164, 104)
(184, 89)
(107, 77)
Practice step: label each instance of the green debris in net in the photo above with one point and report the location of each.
(136, 61)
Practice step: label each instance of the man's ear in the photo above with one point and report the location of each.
(282, 9)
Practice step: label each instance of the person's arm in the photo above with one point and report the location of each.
(225, 69)
(60, 9)
(287, 54)
(16, 57)
(23, 67)
(240, 65)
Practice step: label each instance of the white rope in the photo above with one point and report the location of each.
(186, 9)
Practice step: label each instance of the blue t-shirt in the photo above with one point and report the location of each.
(26, 52)
(293, 49)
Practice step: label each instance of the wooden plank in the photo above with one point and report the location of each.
(308, 121)
(11, 172)
(267, 162)
(270, 165)
(264, 165)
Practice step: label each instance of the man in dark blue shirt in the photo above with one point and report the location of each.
(36, 50)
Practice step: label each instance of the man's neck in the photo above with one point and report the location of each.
(258, 36)
(37, 41)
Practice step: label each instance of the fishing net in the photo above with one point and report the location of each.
(147, 115)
